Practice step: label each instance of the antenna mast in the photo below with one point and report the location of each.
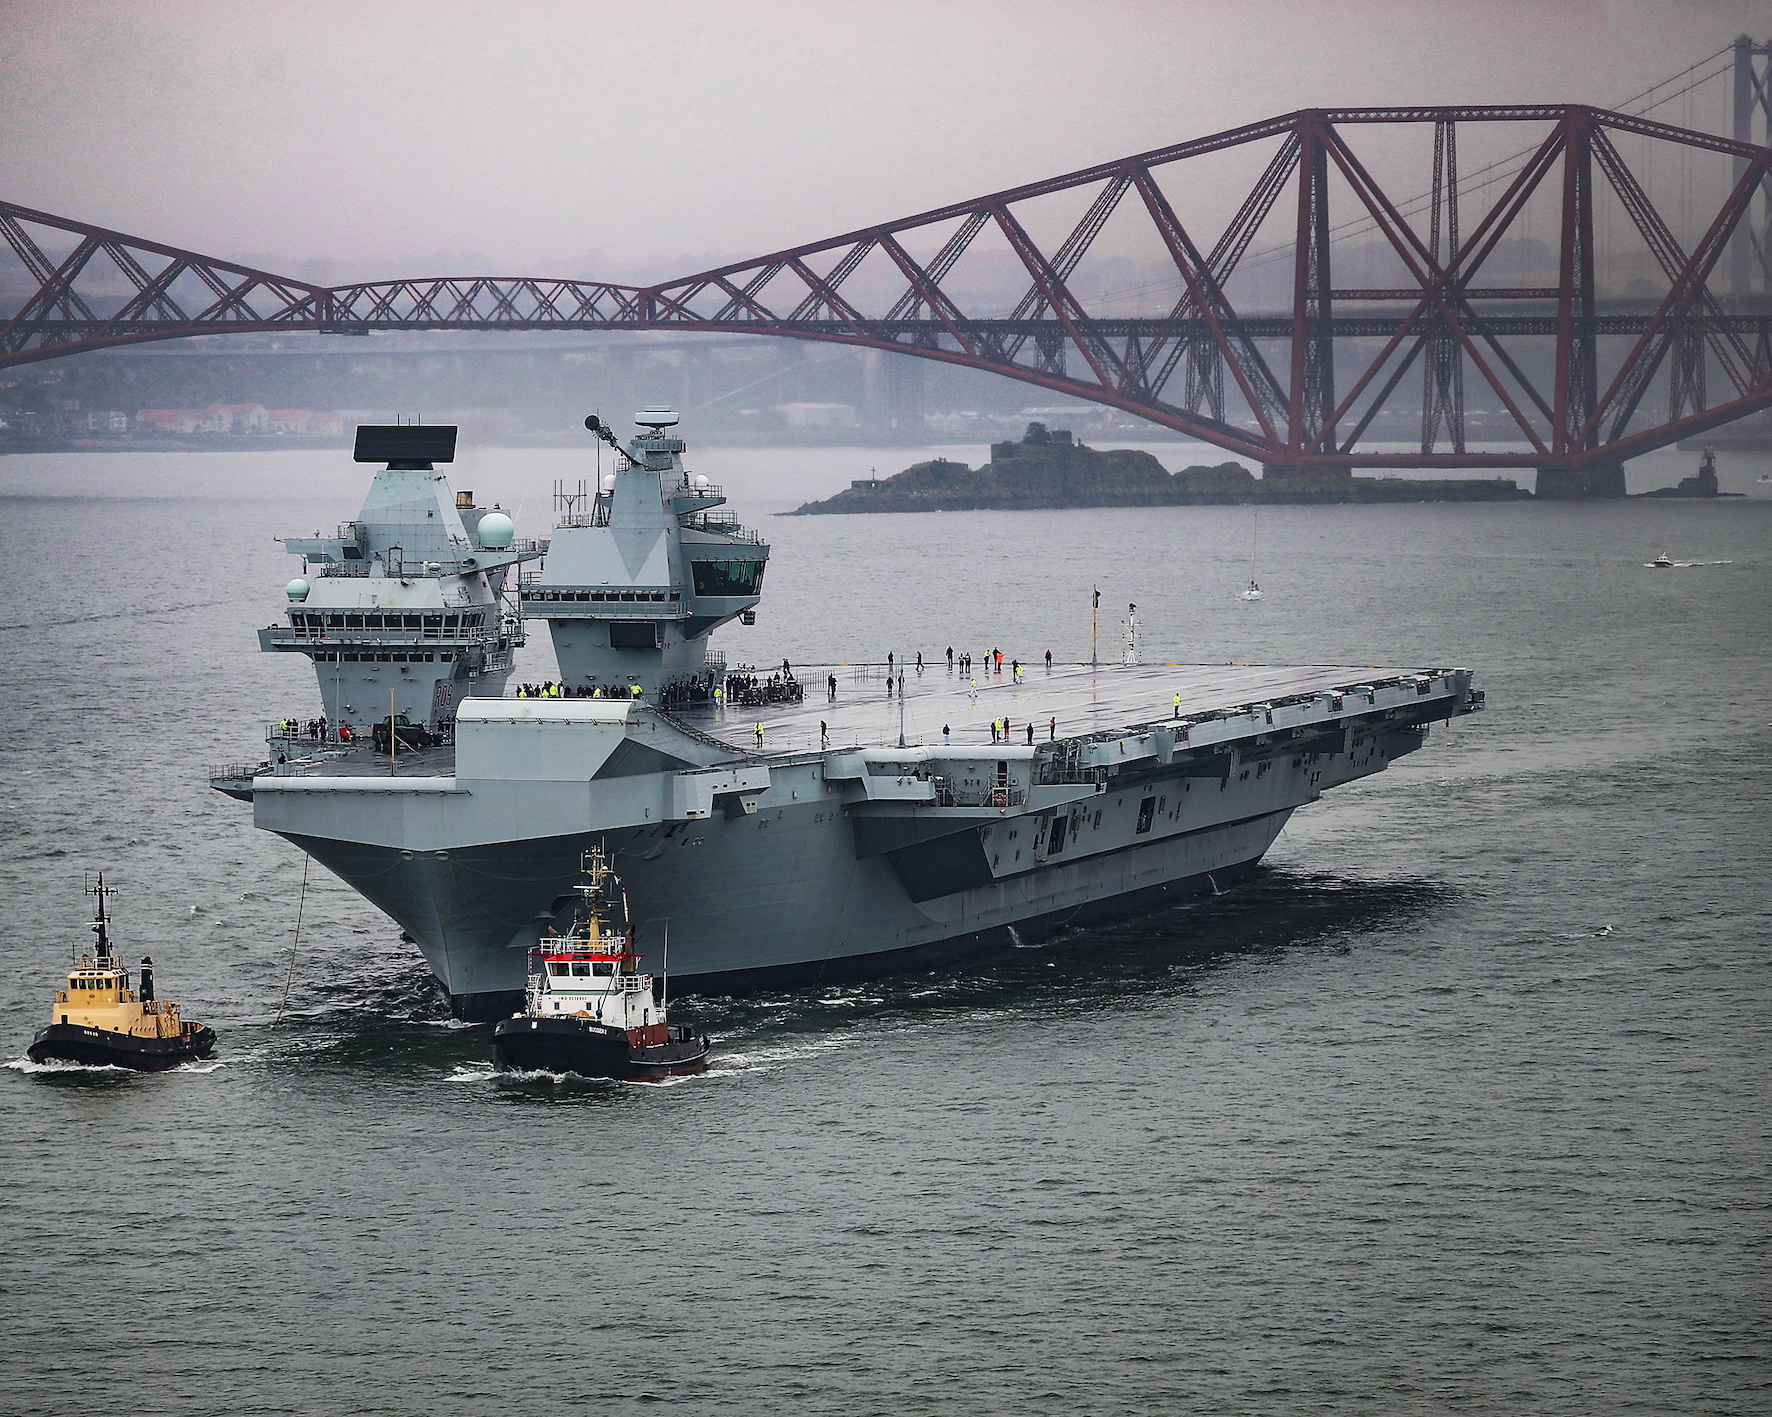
(101, 921)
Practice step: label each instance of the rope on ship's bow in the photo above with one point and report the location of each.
(300, 905)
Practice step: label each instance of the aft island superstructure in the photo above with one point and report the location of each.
(850, 836)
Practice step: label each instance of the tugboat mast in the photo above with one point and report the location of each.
(100, 921)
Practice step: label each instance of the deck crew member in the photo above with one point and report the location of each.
(1178, 705)
(759, 737)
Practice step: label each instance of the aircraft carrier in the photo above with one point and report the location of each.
(893, 824)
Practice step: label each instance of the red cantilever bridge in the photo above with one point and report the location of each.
(1321, 276)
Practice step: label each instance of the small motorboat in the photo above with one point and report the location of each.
(587, 1009)
(99, 1021)
(1663, 562)
(1254, 591)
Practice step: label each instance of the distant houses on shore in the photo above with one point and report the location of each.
(218, 419)
(239, 418)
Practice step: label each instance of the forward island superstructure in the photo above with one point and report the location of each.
(852, 835)
(404, 604)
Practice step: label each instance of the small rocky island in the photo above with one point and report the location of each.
(1049, 468)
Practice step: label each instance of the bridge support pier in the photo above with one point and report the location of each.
(1587, 483)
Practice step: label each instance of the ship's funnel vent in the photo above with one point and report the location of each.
(405, 446)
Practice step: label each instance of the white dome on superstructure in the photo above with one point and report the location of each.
(609, 482)
(496, 531)
(297, 590)
(701, 482)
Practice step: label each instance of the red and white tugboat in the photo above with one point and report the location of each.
(587, 1008)
(100, 1021)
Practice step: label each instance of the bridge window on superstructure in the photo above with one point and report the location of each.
(336, 621)
(581, 970)
(452, 622)
(725, 578)
(372, 622)
(353, 622)
(414, 622)
(558, 968)
(603, 966)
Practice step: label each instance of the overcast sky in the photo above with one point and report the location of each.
(525, 137)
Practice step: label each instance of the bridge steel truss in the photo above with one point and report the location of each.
(1296, 388)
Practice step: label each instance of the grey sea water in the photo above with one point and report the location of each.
(1460, 1107)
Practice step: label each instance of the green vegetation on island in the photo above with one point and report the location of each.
(1048, 468)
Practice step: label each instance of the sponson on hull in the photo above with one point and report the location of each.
(100, 1021)
(587, 1008)
(852, 835)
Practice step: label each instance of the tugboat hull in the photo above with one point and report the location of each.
(98, 1048)
(593, 1050)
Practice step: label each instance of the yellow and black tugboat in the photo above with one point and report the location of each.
(100, 1021)
(588, 1009)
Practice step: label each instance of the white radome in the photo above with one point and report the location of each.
(297, 590)
(701, 482)
(496, 531)
(609, 482)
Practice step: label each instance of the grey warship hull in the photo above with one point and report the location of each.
(900, 817)
(828, 863)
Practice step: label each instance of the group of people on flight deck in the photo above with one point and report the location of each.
(1000, 730)
(993, 660)
(548, 689)
(314, 728)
